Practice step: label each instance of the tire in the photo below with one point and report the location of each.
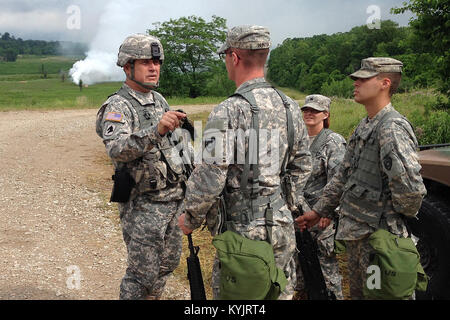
(433, 230)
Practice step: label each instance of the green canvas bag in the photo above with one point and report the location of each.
(399, 263)
(247, 269)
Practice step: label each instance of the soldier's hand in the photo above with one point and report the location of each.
(170, 121)
(307, 220)
(324, 223)
(183, 228)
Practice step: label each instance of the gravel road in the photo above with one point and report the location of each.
(59, 236)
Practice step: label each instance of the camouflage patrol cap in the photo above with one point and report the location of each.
(247, 37)
(371, 67)
(140, 46)
(317, 102)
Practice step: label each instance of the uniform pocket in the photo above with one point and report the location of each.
(154, 176)
(362, 203)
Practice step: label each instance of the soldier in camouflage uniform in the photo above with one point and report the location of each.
(327, 151)
(245, 53)
(378, 182)
(138, 130)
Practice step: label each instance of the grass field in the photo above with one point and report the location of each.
(28, 64)
(23, 88)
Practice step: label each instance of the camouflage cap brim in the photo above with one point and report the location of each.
(314, 106)
(223, 48)
(363, 74)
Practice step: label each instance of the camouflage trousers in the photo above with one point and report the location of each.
(154, 242)
(328, 262)
(283, 243)
(358, 252)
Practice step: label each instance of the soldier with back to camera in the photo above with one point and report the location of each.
(256, 206)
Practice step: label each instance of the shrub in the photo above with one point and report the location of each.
(433, 127)
(343, 88)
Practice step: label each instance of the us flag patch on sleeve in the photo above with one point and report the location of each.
(114, 116)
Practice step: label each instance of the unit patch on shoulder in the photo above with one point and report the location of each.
(109, 130)
(114, 117)
(388, 163)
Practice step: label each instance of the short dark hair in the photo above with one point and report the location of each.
(395, 78)
(253, 58)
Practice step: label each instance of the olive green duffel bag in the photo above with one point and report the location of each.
(399, 264)
(247, 269)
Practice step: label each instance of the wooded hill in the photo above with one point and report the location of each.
(320, 64)
(10, 47)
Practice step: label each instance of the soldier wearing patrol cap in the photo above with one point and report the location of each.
(256, 207)
(138, 130)
(327, 151)
(378, 182)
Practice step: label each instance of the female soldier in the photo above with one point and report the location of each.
(327, 151)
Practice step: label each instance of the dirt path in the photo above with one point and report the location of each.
(59, 236)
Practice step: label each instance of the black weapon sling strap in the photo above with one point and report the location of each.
(254, 150)
(320, 141)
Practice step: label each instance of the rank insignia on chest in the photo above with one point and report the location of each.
(147, 115)
(114, 116)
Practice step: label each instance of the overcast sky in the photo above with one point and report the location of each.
(84, 20)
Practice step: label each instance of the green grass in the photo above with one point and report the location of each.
(52, 93)
(181, 101)
(47, 94)
(22, 87)
(294, 94)
(25, 65)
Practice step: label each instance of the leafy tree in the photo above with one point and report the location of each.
(190, 46)
(10, 54)
(6, 36)
(432, 31)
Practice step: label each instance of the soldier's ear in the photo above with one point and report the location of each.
(127, 69)
(386, 83)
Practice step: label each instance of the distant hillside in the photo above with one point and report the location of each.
(320, 64)
(10, 47)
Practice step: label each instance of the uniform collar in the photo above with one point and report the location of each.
(369, 124)
(143, 98)
(249, 83)
(374, 121)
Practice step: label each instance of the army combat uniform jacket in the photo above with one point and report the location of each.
(379, 179)
(139, 145)
(224, 173)
(132, 140)
(209, 179)
(327, 151)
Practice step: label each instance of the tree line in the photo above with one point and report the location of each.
(11, 47)
(322, 63)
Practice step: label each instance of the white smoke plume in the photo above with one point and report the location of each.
(120, 19)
